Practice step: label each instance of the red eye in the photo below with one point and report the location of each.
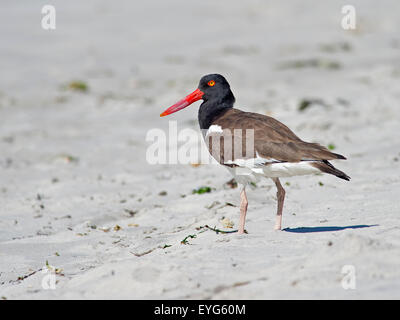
(211, 83)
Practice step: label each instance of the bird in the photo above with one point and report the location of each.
(252, 145)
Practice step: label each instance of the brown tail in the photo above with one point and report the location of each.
(327, 167)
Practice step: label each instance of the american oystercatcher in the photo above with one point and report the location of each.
(252, 145)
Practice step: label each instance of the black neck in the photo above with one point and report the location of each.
(209, 110)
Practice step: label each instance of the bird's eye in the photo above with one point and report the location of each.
(211, 83)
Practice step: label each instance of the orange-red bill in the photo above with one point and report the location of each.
(188, 100)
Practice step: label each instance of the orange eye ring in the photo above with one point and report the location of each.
(211, 83)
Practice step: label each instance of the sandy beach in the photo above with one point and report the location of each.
(84, 215)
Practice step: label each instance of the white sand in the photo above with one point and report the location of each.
(138, 60)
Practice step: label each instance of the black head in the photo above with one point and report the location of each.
(215, 88)
(217, 97)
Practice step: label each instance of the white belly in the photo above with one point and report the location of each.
(287, 169)
(248, 174)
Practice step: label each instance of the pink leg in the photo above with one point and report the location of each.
(243, 210)
(281, 197)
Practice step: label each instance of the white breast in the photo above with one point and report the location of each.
(214, 129)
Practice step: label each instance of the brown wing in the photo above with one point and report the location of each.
(272, 139)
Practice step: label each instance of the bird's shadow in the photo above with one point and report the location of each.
(327, 228)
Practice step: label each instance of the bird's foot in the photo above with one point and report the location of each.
(278, 222)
